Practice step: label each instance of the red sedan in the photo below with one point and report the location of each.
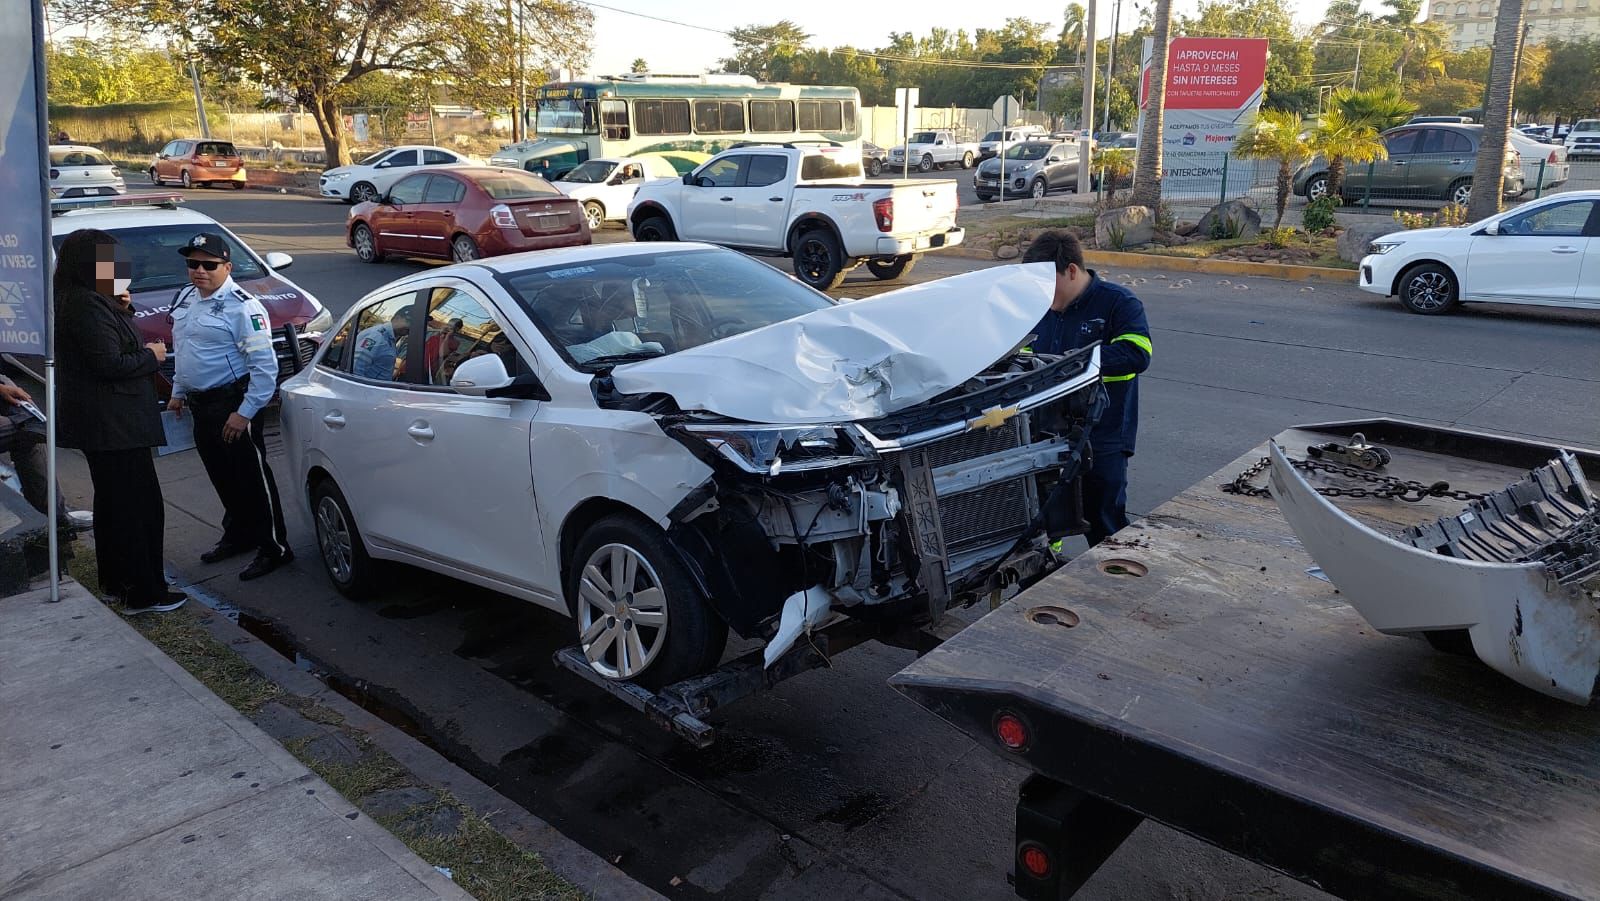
(464, 213)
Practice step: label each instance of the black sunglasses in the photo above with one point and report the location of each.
(207, 265)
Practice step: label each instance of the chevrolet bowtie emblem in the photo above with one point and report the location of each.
(992, 418)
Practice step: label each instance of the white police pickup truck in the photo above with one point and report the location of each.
(805, 201)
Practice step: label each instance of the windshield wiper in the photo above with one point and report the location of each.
(629, 356)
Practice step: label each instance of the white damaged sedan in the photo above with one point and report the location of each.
(666, 442)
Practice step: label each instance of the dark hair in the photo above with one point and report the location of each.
(1059, 247)
(75, 261)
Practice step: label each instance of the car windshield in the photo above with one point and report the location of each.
(643, 305)
(78, 158)
(513, 185)
(154, 251)
(215, 148)
(591, 173)
(922, 137)
(1027, 151)
(992, 136)
(1587, 125)
(374, 159)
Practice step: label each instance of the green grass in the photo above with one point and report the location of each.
(492, 867)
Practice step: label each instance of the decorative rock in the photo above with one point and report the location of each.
(1352, 242)
(1231, 219)
(1185, 228)
(1120, 229)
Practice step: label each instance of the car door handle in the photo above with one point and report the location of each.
(727, 200)
(776, 199)
(1399, 162)
(1458, 162)
(334, 420)
(1564, 249)
(420, 431)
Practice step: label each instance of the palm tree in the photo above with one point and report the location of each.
(1072, 30)
(1276, 136)
(1382, 108)
(1418, 40)
(1488, 178)
(1339, 139)
(1147, 172)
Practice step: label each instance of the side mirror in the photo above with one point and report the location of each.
(705, 181)
(386, 200)
(382, 165)
(523, 387)
(938, 143)
(688, 179)
(279, 260)
(1492, 228)
(480, 375)
(1053, 159)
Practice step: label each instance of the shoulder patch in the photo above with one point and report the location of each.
(258, 322)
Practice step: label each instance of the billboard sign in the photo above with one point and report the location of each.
(25, 218)
(1214, 89)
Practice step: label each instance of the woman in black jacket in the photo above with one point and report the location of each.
(107, 408)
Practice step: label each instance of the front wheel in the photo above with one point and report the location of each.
(655, 228)
(595, 213)
(640, 617)
(926, 163)
(154, 178)
(818, 259)
(1429, 289)
(890, 268)
(344, 554)
(363, 192)
(366, 244)
(874, 168)
(1460, 193)
(463, 249)
(966, 160)
(1039, 188)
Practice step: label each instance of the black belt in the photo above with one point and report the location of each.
(220, 392)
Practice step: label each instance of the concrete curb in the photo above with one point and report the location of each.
(569, 860)
(1284, 271)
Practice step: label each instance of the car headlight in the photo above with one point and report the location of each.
(1023, 167)
(321, 322)
(1382, 247)
(774, 449)
(336, 176)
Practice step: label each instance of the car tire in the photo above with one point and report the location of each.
(365, 243)
(595, 213)
(966, 160)
(1038, 189)
(238, 186)
(1317, 188)
(654, 228)
(1429, 289)
(344, 555)
(818, 258)
(926, 163)
(890, 268)
(1459, 192)
(690, 638)
(154, 178)
(185, 179)
(874, 168)
(463, 249)
(363, 192)
(986, 198)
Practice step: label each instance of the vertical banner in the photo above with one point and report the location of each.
(1214, 89)
(360, 128)
(25, 217)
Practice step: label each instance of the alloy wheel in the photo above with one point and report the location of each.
(815, 258)
(595, 215)
(462, 250)
(1428, 290)
(333, 537)
(622, 612)
(365, 249)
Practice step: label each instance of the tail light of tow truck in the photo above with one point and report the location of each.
(1033, 859)
(1011, 731)
(883, 211)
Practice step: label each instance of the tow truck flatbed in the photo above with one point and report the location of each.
(1230, 693)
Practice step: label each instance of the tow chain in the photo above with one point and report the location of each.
(1388, 486)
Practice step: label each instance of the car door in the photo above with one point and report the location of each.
(1538, 256)
(1063, 173)
(1444, 158)
(762, 201)
(358, 421)
(709, 212)
(620, 186)
(1388, 176)
(392, 168)
(171, 165)
(469, 457)
(394, 221)
(433, 219)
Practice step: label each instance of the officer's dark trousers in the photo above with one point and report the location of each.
(1105, 495)
(239, 471)
(129, 521)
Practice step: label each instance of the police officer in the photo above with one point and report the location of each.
(225, 373)
(377, 347)
(1086, 309)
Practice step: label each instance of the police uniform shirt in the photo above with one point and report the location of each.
(221, 339)
(1112, 315)
(375, 352)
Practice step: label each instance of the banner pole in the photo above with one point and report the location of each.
(41, 125)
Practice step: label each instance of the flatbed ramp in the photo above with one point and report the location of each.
(1192, 671)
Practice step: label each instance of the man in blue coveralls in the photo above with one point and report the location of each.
(1088, 309)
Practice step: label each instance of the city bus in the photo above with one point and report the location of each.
(683, 118)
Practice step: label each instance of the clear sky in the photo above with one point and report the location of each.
(620, 38)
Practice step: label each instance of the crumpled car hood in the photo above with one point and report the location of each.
(859, 360)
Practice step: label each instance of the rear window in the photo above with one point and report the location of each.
(830, 165)
(513, 185)
(215, 148)
(78, 158)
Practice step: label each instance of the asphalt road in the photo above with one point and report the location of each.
(832, 785)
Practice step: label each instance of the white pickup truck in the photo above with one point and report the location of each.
(934, 148)
(808, 202)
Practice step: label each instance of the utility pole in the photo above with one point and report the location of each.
(1355, 77)
(1111, 64)
(199, 104)
(1085, 139)
(522, 72)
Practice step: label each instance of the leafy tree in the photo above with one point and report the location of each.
(1419, 41)
(764, 52)
(1569, 82)
(1276, 135)
(1489, 177)
(1380, 108)
(1444, 96)
(84, 72)
(639, 65)
(1340, 139)
(1071, 40)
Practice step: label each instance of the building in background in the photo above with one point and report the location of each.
(1470, 23)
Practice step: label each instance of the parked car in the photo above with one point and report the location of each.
(873, 159)
(1538, 132)
(934, 149)
(199, 161)
(808, 202)
(464, 213)
(1031, 169)
(80, 171)
(668, 442)
(1543, 253)
(1425, 162)
(1583, 139)
(1439, 120)
(374, 175)
(1544, 166)
(152, 228)
(990, 145)
(606, 187)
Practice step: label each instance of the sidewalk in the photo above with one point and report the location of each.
(126, 778)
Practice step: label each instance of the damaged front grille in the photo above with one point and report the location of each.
(989, 515)
(968, 445)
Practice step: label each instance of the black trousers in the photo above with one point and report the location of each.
(1105, 495)
(129, 520)
(239, 473)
